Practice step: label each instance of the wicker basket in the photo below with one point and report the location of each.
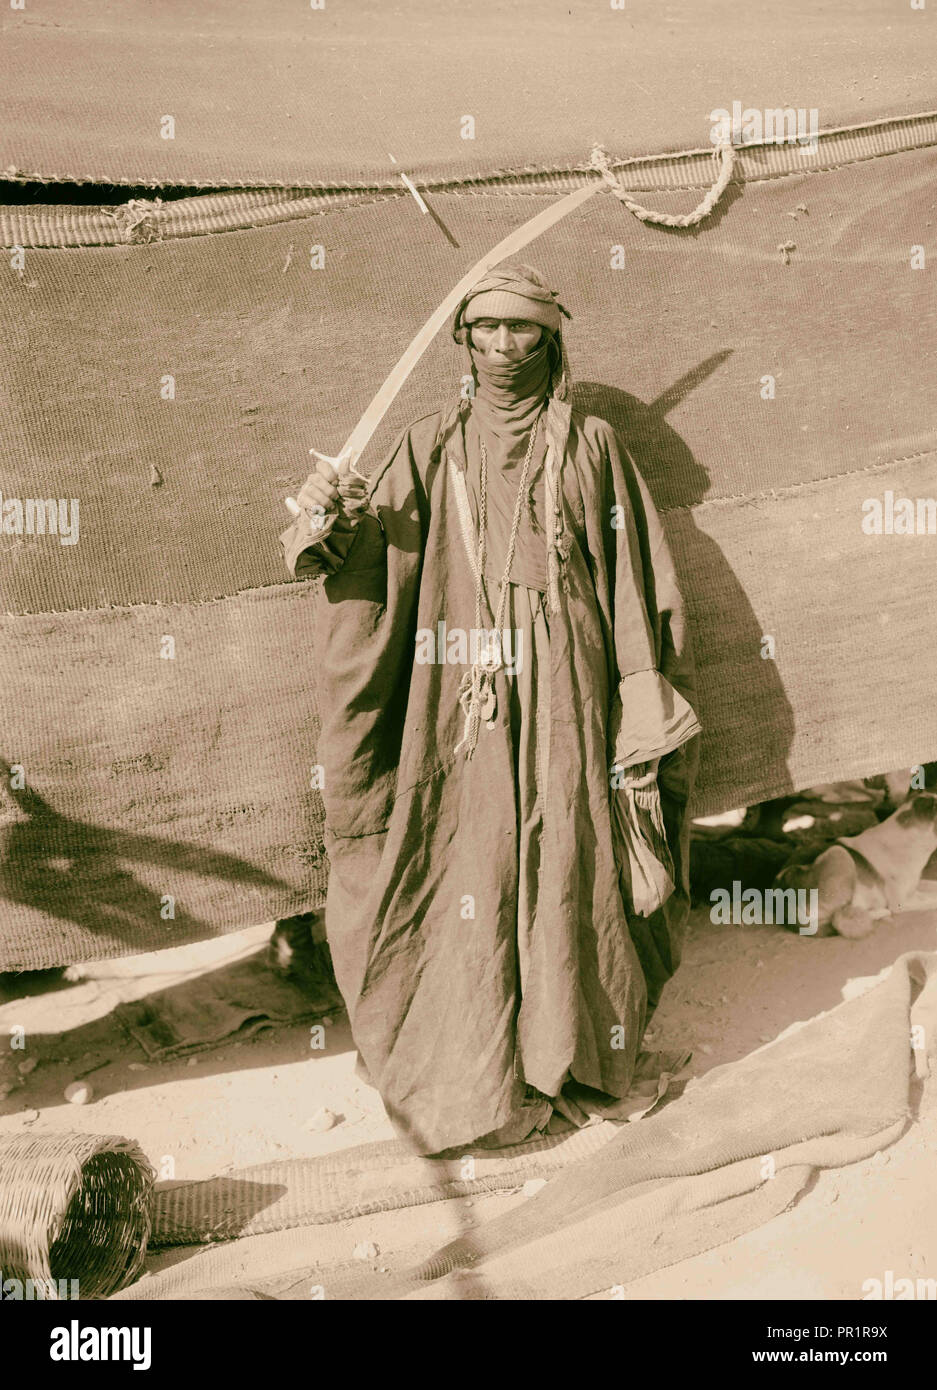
(73, 1207)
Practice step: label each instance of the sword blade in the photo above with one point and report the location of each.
(362, 433)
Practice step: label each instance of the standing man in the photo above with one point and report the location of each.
(508, 742)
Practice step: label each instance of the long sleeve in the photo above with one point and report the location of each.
(365, 625)
(654, 713)
(651, 720)
(307, 556)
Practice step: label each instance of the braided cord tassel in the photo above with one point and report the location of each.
(479, 680)
(600, 160)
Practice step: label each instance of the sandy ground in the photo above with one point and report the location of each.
(251, 1102)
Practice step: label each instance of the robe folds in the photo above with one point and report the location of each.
(423, 842)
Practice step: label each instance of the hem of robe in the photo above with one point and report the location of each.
(579, 1105)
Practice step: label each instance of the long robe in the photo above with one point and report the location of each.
(421, 912)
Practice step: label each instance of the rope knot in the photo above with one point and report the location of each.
(138, 220)
(600, 159)
(723, 154)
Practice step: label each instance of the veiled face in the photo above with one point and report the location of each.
(504, 340)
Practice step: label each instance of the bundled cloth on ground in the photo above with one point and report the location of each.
(169, 367)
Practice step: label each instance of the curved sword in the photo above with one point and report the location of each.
(361, 435)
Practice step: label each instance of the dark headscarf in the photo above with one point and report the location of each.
(528, 283)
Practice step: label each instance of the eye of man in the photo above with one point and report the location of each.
(512, 325)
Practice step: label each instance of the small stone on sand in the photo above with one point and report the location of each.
(322, 1120)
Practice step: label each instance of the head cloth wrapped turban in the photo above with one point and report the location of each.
(510, 292)
(516, 291)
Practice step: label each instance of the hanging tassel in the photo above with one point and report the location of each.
(471, 695)
(477, 698)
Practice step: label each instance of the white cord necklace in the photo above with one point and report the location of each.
(477, 688)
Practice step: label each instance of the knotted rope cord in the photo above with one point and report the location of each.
(600, 160)
(476, 682)
(138, 220)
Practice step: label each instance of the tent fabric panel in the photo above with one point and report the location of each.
(284, 93)
(846, 690)
(191, 776)
(181, 498)
(150, 777)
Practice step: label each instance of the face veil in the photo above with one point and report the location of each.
(518, 291)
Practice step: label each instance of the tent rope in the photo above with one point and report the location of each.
(138, 220)
(725, 154)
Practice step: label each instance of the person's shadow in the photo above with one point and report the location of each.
(85, 874)
(747, 721)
